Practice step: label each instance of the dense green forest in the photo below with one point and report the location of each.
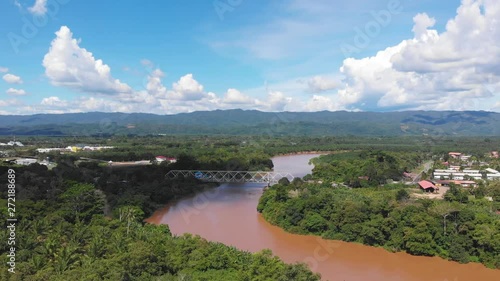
(365, 168)
(84, 221)
(60, 241)
(457, 228)
(95, 211)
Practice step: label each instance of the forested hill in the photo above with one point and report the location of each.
(239, 122)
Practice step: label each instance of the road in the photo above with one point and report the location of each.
(426, 167)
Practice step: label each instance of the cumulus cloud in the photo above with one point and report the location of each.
(316, 103)
(187, 88)
(55, 104)
(16, 92)
(154, 84)
(233, 96)
(67, 64)
(277, 101)
(422, 23)
(39, 8)
(12, 79)
(3, 69)
(434, 70)
(54, 101)
(319, 84)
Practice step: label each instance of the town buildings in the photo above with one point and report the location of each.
(160, 159)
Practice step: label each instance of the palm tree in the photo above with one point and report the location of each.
(66, 257)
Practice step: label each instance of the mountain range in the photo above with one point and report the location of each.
(253, 122)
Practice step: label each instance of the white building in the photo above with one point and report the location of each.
(13, 143)
(454, 175)
(445, 171)
(492, 171)
(465, 157)
(471, 171)
(47, 150)
(493, 176)
(25, 161)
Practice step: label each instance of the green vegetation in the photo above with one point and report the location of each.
(83, 218)
(455, 229)
(83, 221)
(364, 168)
(78, 243)
(261, 148)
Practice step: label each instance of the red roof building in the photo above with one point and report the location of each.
(164, 158)
(428, 186)
(457, 182)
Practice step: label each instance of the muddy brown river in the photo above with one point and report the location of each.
(228, 214)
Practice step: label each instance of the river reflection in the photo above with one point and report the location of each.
(228, 215)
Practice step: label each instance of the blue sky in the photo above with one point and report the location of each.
(179, 56)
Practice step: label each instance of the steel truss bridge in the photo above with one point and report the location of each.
(231, 176)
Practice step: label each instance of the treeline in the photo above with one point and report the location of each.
(458, 229)
(61, 241)
(365, 168)
(146, 147)
(62, 233)
(146, 187)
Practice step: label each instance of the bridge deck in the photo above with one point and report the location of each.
(231, 176)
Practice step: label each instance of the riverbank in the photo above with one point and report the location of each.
(228, 215)
(375, 217)
(314, 152)
(305, 153)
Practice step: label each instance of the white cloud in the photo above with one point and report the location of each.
(54, 102)
(16, 92)
(67, 64)
(154, 85)
(273, 101)
(422, 23)
(187, 88)
(10, 103)
(319, 84)
(233, 96)
(12, 79)
(99, 104)
(432, 70)
(39, 8)
(315, 103)
(4, 69)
